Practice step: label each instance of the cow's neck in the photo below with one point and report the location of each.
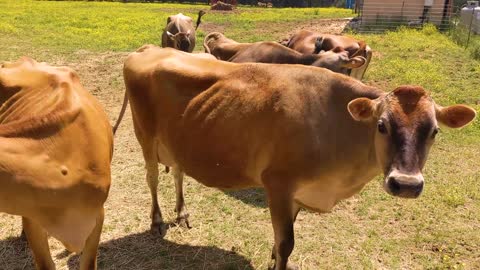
(306, 59)
(348, 160)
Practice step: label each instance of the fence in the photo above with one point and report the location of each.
(461, 23)
(379, 16)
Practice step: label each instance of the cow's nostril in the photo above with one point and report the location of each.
(394, 186)
(418, 189)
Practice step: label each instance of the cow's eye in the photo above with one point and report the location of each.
(434, 133)
(381, 127)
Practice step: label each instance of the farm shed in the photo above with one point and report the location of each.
(412, 12)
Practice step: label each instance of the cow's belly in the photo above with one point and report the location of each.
(221, 176)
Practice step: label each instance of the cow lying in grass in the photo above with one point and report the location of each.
(309, 136)
(308, 42)
(229, 50)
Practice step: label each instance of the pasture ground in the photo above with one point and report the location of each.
(232, 230)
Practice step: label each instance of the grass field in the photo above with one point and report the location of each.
(232, 230)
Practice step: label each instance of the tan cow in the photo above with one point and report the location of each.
(229, 50)
(309, 136)
(179, 32)
(308, 42)
(56, 146)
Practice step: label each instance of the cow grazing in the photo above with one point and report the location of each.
(309, 136)
(179, 33)
(271, 52)
(55, 160)
(308, 42)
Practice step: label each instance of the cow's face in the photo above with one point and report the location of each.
(181, 40)
(406, 122)
(338, 60)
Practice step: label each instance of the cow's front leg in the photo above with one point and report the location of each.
(182, 214)
(283, 211)
(290, 266)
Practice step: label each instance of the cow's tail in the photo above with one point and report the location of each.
(199, 19)
(122, 112)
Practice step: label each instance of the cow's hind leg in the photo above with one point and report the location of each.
(88, 261)
(182, 214)
(157, 226)
(38, 242)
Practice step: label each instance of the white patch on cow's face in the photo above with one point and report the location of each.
(170, 35)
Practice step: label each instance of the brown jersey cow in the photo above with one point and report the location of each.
(56, 147)
(308, 42)
(309, 136)
(229, 50)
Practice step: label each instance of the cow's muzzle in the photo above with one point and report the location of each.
(404, 185)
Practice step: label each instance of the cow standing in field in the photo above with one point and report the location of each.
(229, 50)
(308, 42)
(55, 159)
(179, 33)
(309, 136)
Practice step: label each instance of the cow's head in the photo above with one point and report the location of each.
(181, 40)
(338, 60)
(406, 122)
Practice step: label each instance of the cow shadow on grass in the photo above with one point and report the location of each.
(251, 196)
(15, 254)
(146, 251)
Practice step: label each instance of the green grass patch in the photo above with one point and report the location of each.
(101, 26)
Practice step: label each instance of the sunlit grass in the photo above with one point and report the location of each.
(117, 26)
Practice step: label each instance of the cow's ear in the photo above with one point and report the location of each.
(355, 62)
(361, 109)
(455, 116)
(170, 35)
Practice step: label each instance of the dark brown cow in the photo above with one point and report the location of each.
(179, 33)
(308, 42)
(271, 52)
(56, 146)
(309, 136)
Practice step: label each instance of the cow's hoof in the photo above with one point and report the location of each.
(183, 222)
(290, 266)
(159, 229)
